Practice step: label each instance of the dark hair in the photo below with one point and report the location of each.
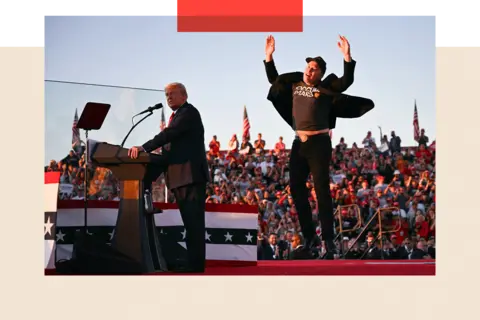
(321, 63)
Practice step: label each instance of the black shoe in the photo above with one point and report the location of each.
(331, 250)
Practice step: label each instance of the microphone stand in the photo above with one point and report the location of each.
(147, 195)
(133, 127)
(85, 186)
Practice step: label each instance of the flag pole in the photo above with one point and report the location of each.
(162, 126)
(166, 193)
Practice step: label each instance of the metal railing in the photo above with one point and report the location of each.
(338, 215)
(378, 215)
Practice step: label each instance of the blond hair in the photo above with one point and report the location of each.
(177, 85)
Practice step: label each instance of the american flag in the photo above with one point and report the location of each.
(228, 237)
(416, 127)
(163, 125)
(246, 124)
(162, 121)
(75, 130)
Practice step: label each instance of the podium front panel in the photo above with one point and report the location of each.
(130, 190)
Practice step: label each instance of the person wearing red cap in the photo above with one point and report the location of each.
(310, 106)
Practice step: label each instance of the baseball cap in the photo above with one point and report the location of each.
(319, 60)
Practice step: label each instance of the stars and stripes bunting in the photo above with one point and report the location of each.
(230, 237)
(246, 124)
(416, 126)
(219, 236)
(75, 130)
(51, 186)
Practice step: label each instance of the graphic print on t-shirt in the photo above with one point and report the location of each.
(306, 91)
(310, 110)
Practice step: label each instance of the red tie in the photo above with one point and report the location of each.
(170, 120)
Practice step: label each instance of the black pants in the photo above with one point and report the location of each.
(153, 172)
(191, 202)
(313, 156)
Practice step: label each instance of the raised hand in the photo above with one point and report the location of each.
(344, 47)
(269, 47)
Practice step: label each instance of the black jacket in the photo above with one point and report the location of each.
(265, 252)
(418, 254)
(300, 254)
(185, 154)
(345, 106)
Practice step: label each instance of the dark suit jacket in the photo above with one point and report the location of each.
(345, 106)
(374, 254)
(403, 254)
(418, 254)
(299, 254)
(265, 252)
(186, 155)
(394, 253)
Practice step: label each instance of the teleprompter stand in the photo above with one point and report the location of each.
(135, 233)
(92, 118)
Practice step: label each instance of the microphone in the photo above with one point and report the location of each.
(150, 109)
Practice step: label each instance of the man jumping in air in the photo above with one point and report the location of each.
(310, 106)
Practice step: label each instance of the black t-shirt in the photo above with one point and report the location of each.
(311, 109)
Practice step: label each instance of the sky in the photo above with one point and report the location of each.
(224, 72)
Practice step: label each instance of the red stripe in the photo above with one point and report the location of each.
(210, 207)
(208, 264)
(246, 8)
(52, 177)
(239, 23)
(315, 267)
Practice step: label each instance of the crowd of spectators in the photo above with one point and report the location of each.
(375, 186)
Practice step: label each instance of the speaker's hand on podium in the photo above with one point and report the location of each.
(133, 151)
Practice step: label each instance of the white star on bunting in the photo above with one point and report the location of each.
(184, 234)
(48, 227)
(112, 234)
(228, 237)
(60, 236)
(249, 237)
(207, 236)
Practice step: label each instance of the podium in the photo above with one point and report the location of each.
(135, 233)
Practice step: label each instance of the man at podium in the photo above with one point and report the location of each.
(183, 145)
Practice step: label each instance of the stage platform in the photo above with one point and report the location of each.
(326, 268)
(317, 268)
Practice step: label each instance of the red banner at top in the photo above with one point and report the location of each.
(240, 8)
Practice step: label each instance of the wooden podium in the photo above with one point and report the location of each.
(135, 232)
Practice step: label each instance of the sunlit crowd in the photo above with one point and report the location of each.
(375, 187)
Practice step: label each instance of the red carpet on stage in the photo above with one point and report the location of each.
(327, 268)
(320, 268)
